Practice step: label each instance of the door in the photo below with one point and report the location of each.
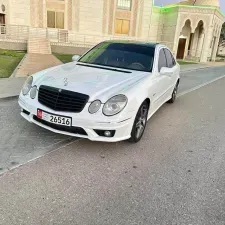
(160, 81)
(172, 80)
(181, 48)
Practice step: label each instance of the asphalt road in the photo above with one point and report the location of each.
(21, 142)
(195, 78)
(175, 175)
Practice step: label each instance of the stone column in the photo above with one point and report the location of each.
(206, 44)
(112, 7)
(146, 18)
(215, 49)
(194, 43)
(199, 45)
(69, 14)
(44, 14)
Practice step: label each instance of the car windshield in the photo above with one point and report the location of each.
(121, 55)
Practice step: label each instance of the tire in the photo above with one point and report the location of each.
(174, 94)
(139, 123)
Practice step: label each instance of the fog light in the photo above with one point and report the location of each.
(108, 133)
(105, 133)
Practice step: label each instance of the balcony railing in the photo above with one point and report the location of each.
(14, 32)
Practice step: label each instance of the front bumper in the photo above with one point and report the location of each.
(121, 126)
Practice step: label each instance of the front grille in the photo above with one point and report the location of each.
(74, 130)
(62, 100)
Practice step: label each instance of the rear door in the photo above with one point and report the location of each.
(161, 81)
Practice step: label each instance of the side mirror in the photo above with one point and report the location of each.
(75, 58)
(166, 71)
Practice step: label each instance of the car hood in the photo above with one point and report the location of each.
(98, 83)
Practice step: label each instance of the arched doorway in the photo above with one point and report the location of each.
(184, 40)
(197, 41)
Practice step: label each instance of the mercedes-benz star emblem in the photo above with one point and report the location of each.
(65, 80)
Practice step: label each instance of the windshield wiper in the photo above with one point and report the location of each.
(104, 68)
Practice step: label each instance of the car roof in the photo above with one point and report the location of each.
(147, 44)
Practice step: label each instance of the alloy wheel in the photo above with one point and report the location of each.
(141, 121)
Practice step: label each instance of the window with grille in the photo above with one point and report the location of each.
(124, 4)
(55, 19)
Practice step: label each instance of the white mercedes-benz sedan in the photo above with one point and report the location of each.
(108, 94)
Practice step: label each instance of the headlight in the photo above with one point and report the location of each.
(114, 105)
(27, 85)
(33, 92)
(94, 106)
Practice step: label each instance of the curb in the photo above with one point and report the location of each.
(190, 70)
(8, 97)
(201, 68)
(14, 72)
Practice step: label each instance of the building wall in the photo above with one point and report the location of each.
(36, 13)
(90, 16)
(195, 16)
(68, 49)
(13, 45)
(19, 12)
(6, 11)
(5, 3)
(86, 17)
(217, 22)
(155, 33)
(145, 18)
(135, 16)
(169, 27)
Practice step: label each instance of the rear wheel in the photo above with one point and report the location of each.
(139, 123)
(174, 94)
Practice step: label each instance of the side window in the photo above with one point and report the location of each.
(174, 61)
(169, 58)
(162, 60)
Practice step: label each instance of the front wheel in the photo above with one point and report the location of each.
(174, 94)
(139, 123)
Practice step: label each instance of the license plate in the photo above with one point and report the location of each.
(51, 118)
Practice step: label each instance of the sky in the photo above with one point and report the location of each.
(164, 2)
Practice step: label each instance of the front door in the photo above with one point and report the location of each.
(181, 48)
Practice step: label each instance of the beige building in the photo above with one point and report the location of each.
(190, 28)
